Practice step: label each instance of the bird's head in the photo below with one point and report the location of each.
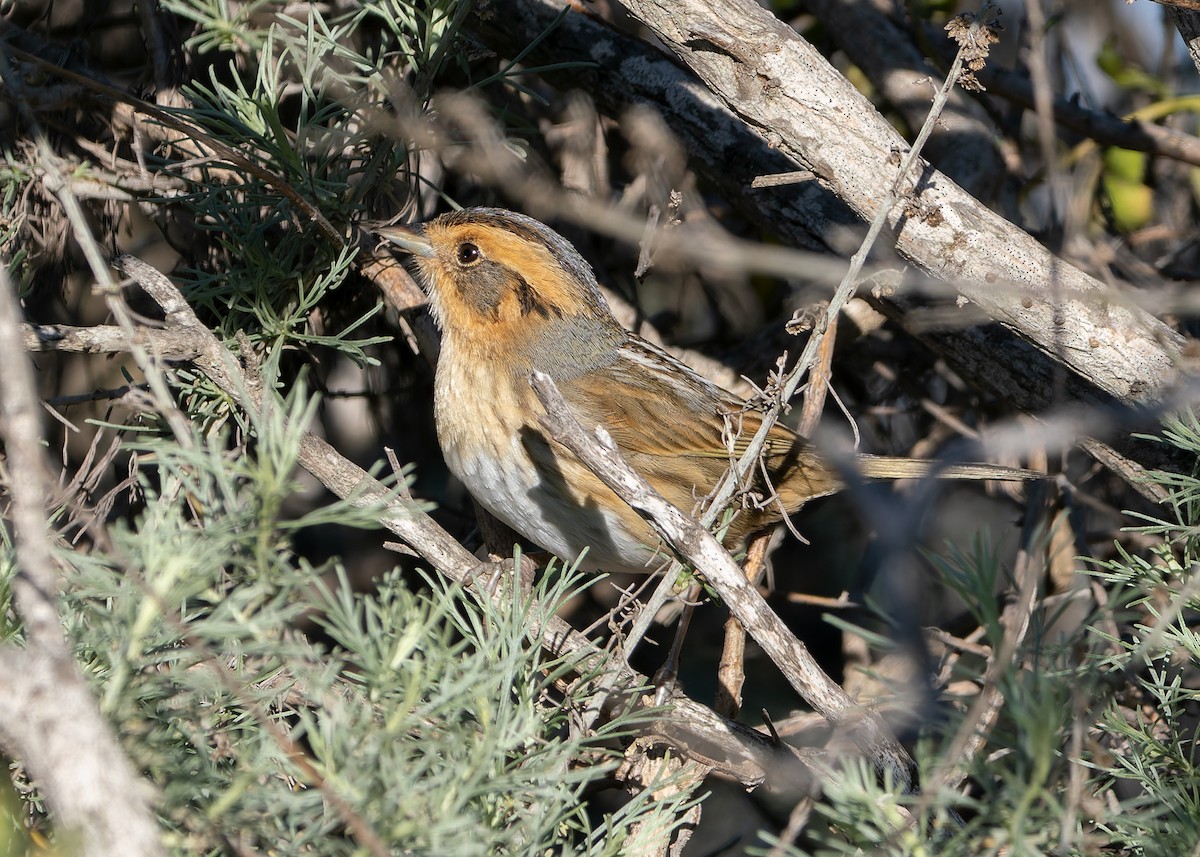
(501, 280)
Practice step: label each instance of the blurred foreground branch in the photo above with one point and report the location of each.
(49, 718)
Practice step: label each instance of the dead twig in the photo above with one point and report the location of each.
(731, 672)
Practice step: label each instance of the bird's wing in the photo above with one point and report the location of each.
(652, 404)
(680, 431)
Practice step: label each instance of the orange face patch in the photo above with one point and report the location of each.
(484, 279)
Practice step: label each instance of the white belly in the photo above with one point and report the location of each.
(491, 458)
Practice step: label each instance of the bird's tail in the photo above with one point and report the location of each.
(886, 467)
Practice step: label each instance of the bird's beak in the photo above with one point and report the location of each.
(408, 238)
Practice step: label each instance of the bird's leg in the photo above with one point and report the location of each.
(499, 541)
(731, 675)
(668, 673)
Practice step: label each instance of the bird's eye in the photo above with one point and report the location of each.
(468, 254)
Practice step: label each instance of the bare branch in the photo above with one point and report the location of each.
(962, 145)
(1127, 133)
(771, 77)
(35, 585)
(1185, 15)
(108, 339)
(701, 549)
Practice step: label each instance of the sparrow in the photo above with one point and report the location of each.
(511, 296)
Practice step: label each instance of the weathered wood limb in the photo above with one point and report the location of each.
(778, 83)
(963, 143)
(730, 155)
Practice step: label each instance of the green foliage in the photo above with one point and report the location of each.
(278, 710)
(292, 97)
(1126, 73)
(1154, 741)
(14, 177)
(1123, 180)
(1093, 748)
(1016, 780)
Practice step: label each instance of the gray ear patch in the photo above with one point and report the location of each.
(485, 286)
